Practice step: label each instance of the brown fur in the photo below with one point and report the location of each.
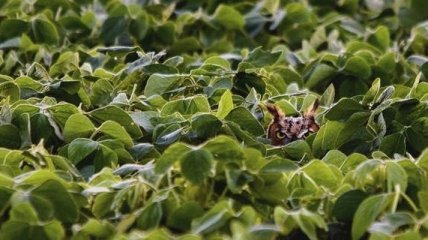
(283, 130)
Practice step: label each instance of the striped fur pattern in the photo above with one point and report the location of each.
(283, 130)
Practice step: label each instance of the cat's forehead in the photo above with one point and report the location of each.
(293, 125)
(288, 121)
(294, 120)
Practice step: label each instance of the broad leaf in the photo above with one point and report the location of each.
(196, 165)
(368, 212)
(77, 126)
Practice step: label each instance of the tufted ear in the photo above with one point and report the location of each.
(274, 111)
(310, 115)
(313, 127)
(310, 112)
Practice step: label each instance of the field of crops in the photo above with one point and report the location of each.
(146, 119)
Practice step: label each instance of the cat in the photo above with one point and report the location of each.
(283, 130)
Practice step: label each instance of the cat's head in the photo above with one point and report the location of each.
(283, 130)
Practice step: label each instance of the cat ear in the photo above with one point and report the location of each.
(312, 109)
(274, 111)
(313, 127)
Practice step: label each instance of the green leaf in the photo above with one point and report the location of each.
(102, 204)
(6, 180)
(102, 91)
(116, 131)
(67, 61)
(174, 61)
(422, 195)
(80, 148)
(327, 97)
(320, 75)
(380, 38)
(419, 90)
(271, 191)
(104, 157)
(38, 177)
(415, 138)
(369, 97)
(225, 105)
(156, 68)
(246, 121)
(190, 105)
(303, 218)
(158, 84)
(346, 205)
(196, 165)
(327, 137)
(244, 82)
(9, 136)
(409, 235)
(10, 28)
(384, 95)
(11, 43)
(391, 222)
(343, 109)
(388, 63)
(10, 90)
(172, 154)
(358, 67)
(237, 179)
(321, 173)
(52, 4)
(298, 150)
(229, 17)
(185, 45)
(279, 166)
(218, 61)
(65, 209)
(61, 112)
(28, 82)
(367, 213)
(98, 228)
(22, 209)
(139, 26)
(118, 115)
(150, 217)
(424, 69)
(334, 157)
(77, 126)
(422, 161)
(271, 5)
(225, 149)
(369, 167)
(395, 175)
(45, 32)
(166, 134)
(45, 127)
(144, 119)
(260, 58)
(5, 195)
(143, 152)
(394, 143)
(309, 222)
(73, 24)
(283, 220)
(16, 230)
(205, 125)
(215, 218)
(181, 218)
(112, 28)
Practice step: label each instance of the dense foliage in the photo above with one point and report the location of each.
(144, 119)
